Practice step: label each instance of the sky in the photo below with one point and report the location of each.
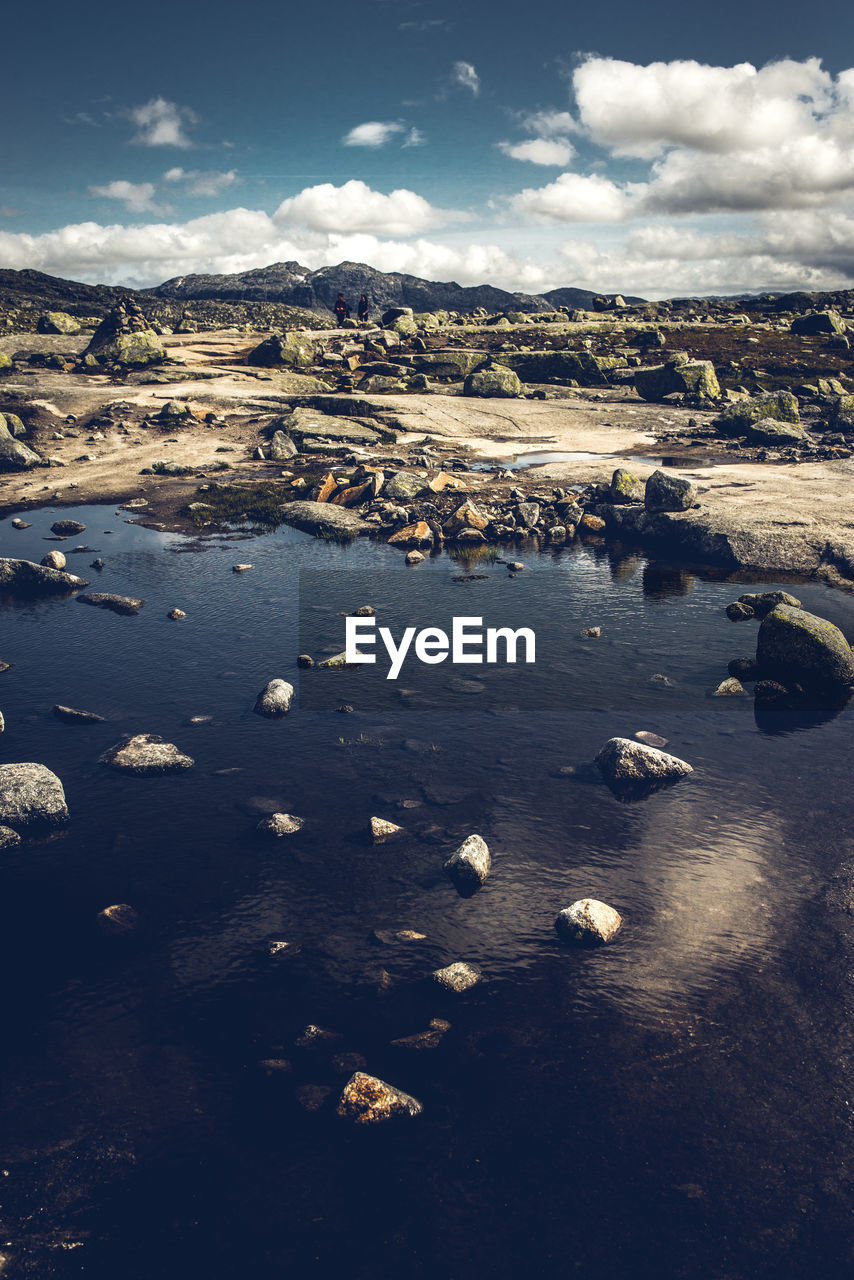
(655, 150)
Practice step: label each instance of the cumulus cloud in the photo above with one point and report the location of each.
(556, 150)
(162, 124)
(373, 133)
(574, 197)
(356, 207)
(137, 197)
(464, 75)
(202, 182)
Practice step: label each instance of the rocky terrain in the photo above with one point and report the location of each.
(486, 429)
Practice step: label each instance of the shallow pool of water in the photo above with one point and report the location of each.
(676, 1104)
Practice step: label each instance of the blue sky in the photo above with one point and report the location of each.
(651, 149)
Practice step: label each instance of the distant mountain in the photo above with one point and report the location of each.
(35, 289)
(582, 298)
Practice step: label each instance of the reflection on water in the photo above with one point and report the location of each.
(683, 1085)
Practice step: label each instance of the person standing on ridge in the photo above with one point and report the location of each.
(342, 311)
(363, 307)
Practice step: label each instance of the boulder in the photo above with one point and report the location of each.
(57, 322)
(145, 754)
(25, 577)
(664, 492)
(563, 367)
(794, 645)
(381, 830)
(54, 560)
(497, 382)
(695, 378)
(588, 922)
(126, 605)
(450, 366)
(280, 824)
(118, 921)
(458, 977)
(735, 418)
(15, 427)
(368, 1100)
(623, 760)
(404, 486)
(124, 338)
(308, 425)
(730, 688)
(817, 322)
(772, 431)
(469, 865)
(31, 796)
(626, 487)
(466, 516)
(65, 528)
(174, 414)
(282, 447)
(415, 535)
(762, 603)
(289, 350)
(16, 456)
(274, 699)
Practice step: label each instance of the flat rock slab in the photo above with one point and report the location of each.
(27, 577)
(145, 754)
(369, 1100)
(117, 604)
(303, 423)
(30, 795)
(322, 519)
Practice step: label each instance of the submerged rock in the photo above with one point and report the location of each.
(458, 977)
(323, 519)
(280, 824)
(9, 839)
(274, 699)
(120, 920)
(588, 922)
(71, 715)
(126, 605)
(796, 645)
(429, 1039)
(369, 1100)
(145, 754)
(30, 795)
(469, 866)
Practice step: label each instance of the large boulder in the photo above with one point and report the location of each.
(469, 866)
(818, 322)
(404, 486)
(124, 338)
(26, 577)
(11, 424)
(664, 492)
(497, 382)
(796, 646)
(282, 447)
(735, 418)
(450, 366)
(145, 754)
(772, 431)
(307, 425)
(57, 322)
(626, 763)
(274, 699)
(368, 1100)
(289, 350)
(15, 455)
(588, 922)
(695, 378)
(31, 796)
(563, 366)
(626, 487)
(466, 516)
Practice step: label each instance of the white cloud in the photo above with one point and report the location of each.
(374, 133)
(137, 197)
(355, 207)
(555, 150)
(465, 75)
(202, 182)
(162, 124)
(574, 197)
(415, 138)
(639, 110)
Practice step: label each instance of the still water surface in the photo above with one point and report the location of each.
(677, 1104)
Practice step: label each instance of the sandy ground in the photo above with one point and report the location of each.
(793, 517)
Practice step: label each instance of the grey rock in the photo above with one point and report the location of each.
(280, 824)
(668, 493)
(324, 520)
(146, 754)
(625, 487)
(403, 486)
(16, 456)
(30, 795)
(71, 715)
(796, 645)
(282, 447)
(274, 699)
(458, 977)
(622, 760)
(588, 922)
(126, 605)
(469, 865)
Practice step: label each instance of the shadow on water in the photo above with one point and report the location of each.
(676, 1104)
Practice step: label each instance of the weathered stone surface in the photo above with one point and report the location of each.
(429, 1039)
(66, 528)
(796, 645)
(126, 605)
(622, 760)
(735, 418)
(626, 487)
(818, 322)
(730, 688)
(144, 754)
(280, 824)
(382, 830)
(413, 535)
(466, 516)
(495, 382)
(307, 425)
(563, 366)
(17, 456)
(450, 366)
(664, 492)
(368, 1100)
(323, 520)
(469, 865)
(31, 796)
(54, 560)
(24, 576)
(57, 322)
(772, 431)
(763, 602)
(289, 350)
(274, 699)
(458, 977)
(282, 447)
(405, 485)
(588, 922)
